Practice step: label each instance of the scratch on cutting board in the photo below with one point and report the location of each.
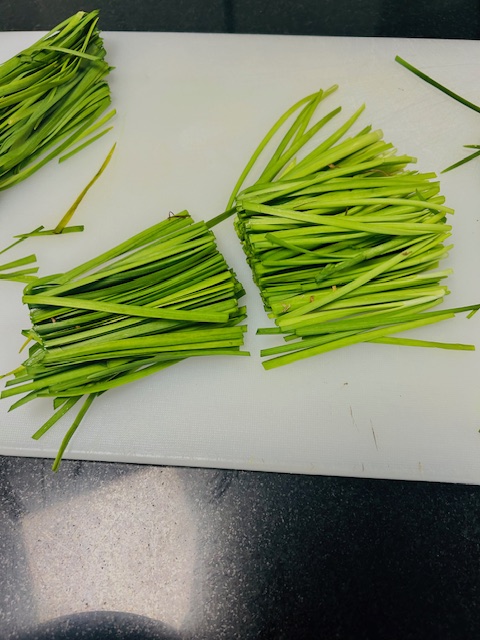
(353, 418)
(374, 435)
(420, 467)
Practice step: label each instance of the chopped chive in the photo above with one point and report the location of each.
(68, 216)
(453, 95)
(52, 94)
(437, 85)
(409, 342)
(164, 295)
(50, 232)
(88, 132)
(460, 162)
(71, 431)
(344, 244)
(66, 406)
(21, 239)
(18, 263)
(85, 144)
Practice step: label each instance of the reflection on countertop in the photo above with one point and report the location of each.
(148, 541)
(103, 550)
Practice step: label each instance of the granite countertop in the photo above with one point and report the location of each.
(198, 553)
(427, 19)
(103, 550)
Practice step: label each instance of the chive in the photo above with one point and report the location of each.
(345, 242)
(18, 263)
(453, 95)
(52, 94)
(162, 296)
(88, 132)
(365, 336)
(66, 406)
(268, 137)
(460, 162)
(71, 431)
(408, 342)
(436, 84)
(25, 275)
(124, 309)
(68, 216)
(50, 232)
(21, 239)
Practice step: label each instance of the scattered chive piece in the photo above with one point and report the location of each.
(344, 243)
(23, 275)
(408, 342)
(68, 216)
(437, 85)
(65, 407)
(25, 344)
(50, 232)
(162, 296)
(76, 423)
(453, 95)
(68, 155)
(463, 161)
(21, 239)
(52, 94)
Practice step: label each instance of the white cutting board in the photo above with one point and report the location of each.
(191, 109)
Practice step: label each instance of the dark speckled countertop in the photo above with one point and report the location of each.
(123, 551)
(153, 552)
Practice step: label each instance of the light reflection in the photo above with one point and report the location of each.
(128, 546)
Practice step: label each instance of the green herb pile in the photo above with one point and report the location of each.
(345, 243)
(52, 96)
(164, 295)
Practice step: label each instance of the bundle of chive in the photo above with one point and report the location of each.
(164, 295)
(343, 244)
(52, 95)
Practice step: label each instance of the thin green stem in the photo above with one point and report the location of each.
(68, 436)
(437, 85)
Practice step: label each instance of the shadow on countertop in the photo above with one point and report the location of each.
(101, 625)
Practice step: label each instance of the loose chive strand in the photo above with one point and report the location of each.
(274, 168)
(322, 149)
(264, 143)
(67, 405)
(409, 342)
(437, 85)
(68, 436)
(348, 341)
(463, 161)
(299, 125)
(68, 216)
(453, 95)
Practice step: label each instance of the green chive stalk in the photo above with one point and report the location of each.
(452, 94)
(10, 270)
(344, 242)
(53, 95)
(162, 296)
